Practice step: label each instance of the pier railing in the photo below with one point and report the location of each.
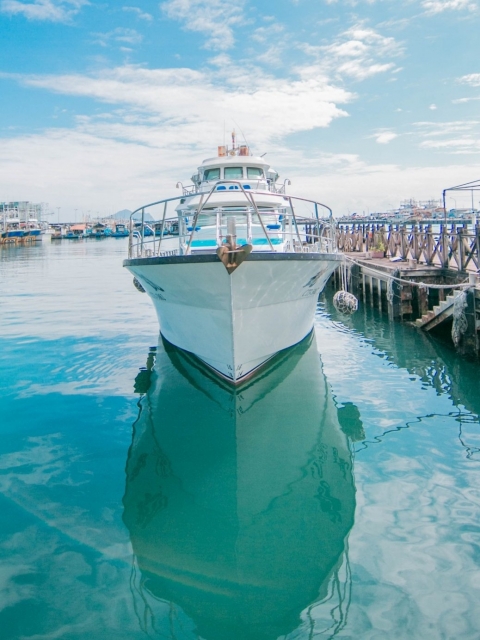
(457, 247)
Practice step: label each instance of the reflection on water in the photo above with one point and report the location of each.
(396, 347)
(239, 502)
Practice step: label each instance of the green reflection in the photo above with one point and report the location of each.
(239, 501)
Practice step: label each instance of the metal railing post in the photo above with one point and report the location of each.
(162, 227)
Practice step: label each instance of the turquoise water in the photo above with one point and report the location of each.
(336, 495)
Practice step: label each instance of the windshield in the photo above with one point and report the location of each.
(212, 174)
(233, 173)
(254, 172)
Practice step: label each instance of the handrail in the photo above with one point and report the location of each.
(250, 202)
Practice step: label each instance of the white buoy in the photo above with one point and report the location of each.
(345, 302)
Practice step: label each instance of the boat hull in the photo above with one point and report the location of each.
(235, 322)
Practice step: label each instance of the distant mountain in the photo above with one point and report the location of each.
(147, 218)
(125, 214)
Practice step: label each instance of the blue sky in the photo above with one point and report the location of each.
(361, 103)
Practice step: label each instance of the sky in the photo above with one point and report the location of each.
(360, 103)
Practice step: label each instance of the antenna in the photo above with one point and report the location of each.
(243, 135)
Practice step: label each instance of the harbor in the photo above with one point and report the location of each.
(102, 448)
(418, 275)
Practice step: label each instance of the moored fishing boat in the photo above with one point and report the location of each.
(240, 278)
(120, 231)
(58, 232)
(32, 230)
(98, 231)
(75, 232)
(12, 229)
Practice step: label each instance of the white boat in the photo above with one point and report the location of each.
(236, 277)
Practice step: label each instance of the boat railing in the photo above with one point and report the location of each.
(283, 227)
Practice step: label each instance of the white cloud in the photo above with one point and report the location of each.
(456, 137)
(384, 137)
(50, 10)
(181, 99)
(358, 53)
(433, 107)
(139, 13)
(439, 6)
(472, 79)
(214, 18)
(162, 124)
(120, 35)
(454, 145)
(464, 100)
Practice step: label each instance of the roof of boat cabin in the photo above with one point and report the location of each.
(234, 160)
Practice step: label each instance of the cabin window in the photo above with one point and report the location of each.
(212, 174)
(233, 173)
(254, 172)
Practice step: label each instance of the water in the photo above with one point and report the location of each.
(334, 496)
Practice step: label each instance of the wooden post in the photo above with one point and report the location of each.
(415, 242)
(469, 340)
(444, 256)
(429, 245)
(355, 279)
(460, 250)
(395, 307)
(403, 242)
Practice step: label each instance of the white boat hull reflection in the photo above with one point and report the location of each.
(238, 501)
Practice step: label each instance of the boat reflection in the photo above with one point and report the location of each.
(238, 501)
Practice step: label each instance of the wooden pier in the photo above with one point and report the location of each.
(414, 272)
(424, 295)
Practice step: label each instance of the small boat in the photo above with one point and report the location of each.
(98, 231)
(148, 230)
(12, 229)
(33, 230)
(75, 232)
(240, 281)
(120, 231)
(58, 232)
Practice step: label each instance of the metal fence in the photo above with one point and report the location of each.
(457, 247)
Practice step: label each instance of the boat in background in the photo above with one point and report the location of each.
(33, 230)
(98, 231)
(58, 232)
(75, 232)
(240, 281)
(148, 230)
(120, 230)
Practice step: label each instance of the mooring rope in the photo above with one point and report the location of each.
(423, 285)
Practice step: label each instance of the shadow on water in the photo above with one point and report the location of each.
(239, 502)
(435, 363)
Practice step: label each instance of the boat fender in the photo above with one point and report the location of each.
(138, 286)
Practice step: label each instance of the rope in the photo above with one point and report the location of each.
(344, 301)
(423, 285)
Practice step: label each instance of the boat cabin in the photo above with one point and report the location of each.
(235, 164)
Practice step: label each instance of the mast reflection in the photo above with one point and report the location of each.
(238, 501)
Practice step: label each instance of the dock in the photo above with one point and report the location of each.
(419, 276)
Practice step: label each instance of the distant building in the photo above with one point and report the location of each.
(23, 211)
